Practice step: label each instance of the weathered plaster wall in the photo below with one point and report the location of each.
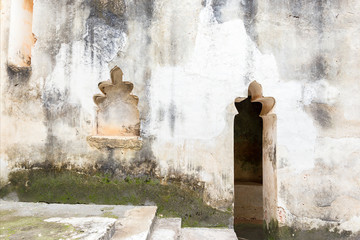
(188, 62)
(315, 44)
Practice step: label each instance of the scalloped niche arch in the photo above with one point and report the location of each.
(117, 120)
(255, 180)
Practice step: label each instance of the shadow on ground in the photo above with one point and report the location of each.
(249, 231)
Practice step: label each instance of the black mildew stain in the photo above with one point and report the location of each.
(312, 12)
(325, 196)
(109, 165)
(216, 5)
(319, 68)
(296, 8)
(272, 156)
(113, 12)
(286, 195)
(18, 76)
(141, 11)
(283, 162)
(173, 42)
(319, 9)
(172, 116)
(62, 32)
(161, 115)
(106, 22)
(56, 107)
(322, 114)
(250, 8)
(147, 8)
(144, 105)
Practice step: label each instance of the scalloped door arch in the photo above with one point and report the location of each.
(269, 150)
(256, 94)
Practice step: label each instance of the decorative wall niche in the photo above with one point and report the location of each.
(117, 120)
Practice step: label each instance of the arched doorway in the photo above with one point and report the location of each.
(248, 180)
(254, 158)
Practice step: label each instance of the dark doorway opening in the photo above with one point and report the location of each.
(248, 158)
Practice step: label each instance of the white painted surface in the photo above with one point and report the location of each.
(91, 228)
(166, 229)
(136, 225)
(207, 234)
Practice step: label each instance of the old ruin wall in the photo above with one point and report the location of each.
(188, 61)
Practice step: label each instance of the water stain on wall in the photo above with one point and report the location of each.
(319, 68)
(322, 114)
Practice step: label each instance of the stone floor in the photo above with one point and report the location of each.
(250, 231)
(19, 220)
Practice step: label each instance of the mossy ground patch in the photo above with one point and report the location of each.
(15, 227)
(172, 199)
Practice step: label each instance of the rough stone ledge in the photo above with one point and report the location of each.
(124, 142)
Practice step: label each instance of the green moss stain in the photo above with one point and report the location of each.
(64, 186)
(5, 190)
(107, 209)
(32, 228)
(274, 232)
(4, 213)
(109, 215)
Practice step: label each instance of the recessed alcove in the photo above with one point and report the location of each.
(248, 127)
(254, 157)
(117, 115)
(21, 37)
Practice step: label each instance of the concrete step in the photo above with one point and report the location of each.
(136, 225)
(207, 234)
(166, 229)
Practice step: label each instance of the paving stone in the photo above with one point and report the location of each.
(64, 210)
(207, 234)
(166, 229)
(136, 224)
(92, 222)
(89, 228)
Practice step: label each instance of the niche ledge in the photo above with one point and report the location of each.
(123, 142)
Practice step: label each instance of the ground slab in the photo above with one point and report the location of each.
(166, 229)
(20, 220)
(136, 225)
(207, 234)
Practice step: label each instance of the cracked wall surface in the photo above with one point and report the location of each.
(188, 61)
